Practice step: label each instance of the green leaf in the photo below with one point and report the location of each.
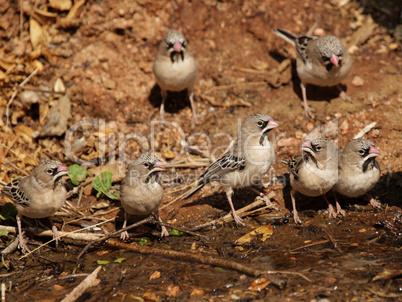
(77, 174)
(3, 233)
(103, 184)
(119, 260)
(144, 240)
(219, 269)
(102, 261)
(9, 211)
(174, 232)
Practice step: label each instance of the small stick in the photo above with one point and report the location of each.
(185, 257)
(333, 241)
(235, 85)
(146, 220)
(365, 130)
(15, 94)
(75, 190)
(180, 229)
(83, 286)
(228, 217)
(309, 245)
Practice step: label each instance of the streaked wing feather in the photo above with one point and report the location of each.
(13, 191)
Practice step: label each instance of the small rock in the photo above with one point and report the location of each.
(319, 32)
(310, 126)
(197, 292)
(173, 291)
(375, 133)
(155, 275)
(284, 142)
(357, 81)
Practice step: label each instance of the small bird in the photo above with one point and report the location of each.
(38, 195)
(321, 61)
(175, 69)
(359, 171)
(141, 190)
(246, 163)
(314, 172)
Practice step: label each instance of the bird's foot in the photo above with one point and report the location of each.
(345, 97)
(331, 211)
(24, 248)
(164, 232)
(237, 219)
(375, 204)
(55, 235)
(296, 217)
(269, 203)
(339, 210)
(124, 235)
(308, 111)
(194, 121)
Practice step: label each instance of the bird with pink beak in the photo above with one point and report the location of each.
(359, 171)
(321, 61)
(175, 69)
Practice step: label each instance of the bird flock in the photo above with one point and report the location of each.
(319, 169)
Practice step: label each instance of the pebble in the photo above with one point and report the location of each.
(357, 81)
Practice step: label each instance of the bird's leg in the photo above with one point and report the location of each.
(373, 202)
(124, 235)
(265, 197)
(339, 210)
(343, 95)
(162, 110)
(295, 214)
(23, 246)
(55, 232)
(331, 210)
(237, 219)
(194, 120)
(164, 231)
(307, 110)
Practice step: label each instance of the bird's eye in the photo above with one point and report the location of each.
(49, 171)
(361, 152)
(169, 45)
(325, 59)
(146, 165)
(318, 148)
(260, 124)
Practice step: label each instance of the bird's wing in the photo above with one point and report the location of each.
(15, 193)
(294, 164)
(222, 166)
(301, 44)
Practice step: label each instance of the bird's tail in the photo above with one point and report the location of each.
(199, 184)
(284, 34)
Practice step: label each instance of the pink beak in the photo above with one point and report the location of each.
(62, 168)
(159, 164)
(272, 123)
(334, 60)
(374, 150)
(306, 144)
(177, 46)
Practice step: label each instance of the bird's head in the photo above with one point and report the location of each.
(49, 171)
(360, 153)
(145, 167)
(331, 51)
(174, 44)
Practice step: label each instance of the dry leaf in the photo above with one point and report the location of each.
(25, 132)
(266, 231)
(36, 33)
(61, 4)
(43, 112)
(173, 291)
(155, 275)
(59, 86)
(259, 284)
(56, 123)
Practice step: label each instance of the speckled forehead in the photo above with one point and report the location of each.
(318, 140)
(173, 36)
(329, 45)
(362, 143)
(148, 157)
(49, 163)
